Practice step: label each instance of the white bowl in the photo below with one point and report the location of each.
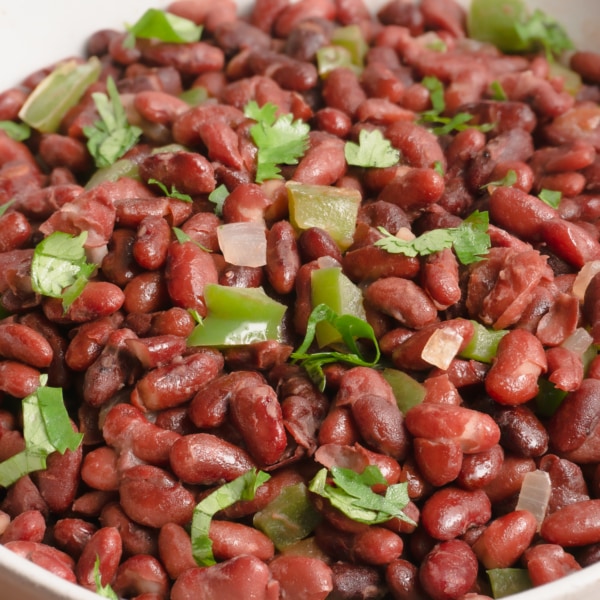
(34, 34)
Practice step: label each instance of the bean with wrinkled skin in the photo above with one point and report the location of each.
(141, 574)
(151, 496)
(440, 461)
(548, 562)
(105, 547)
(356, 581)
(591, 306)
(567, 480)
(225, 580)
(72, 534)
(449, 512)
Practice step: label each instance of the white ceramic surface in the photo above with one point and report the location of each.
(35, 33)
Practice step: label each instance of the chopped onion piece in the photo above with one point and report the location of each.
(579, 341)
(441, 348)
(243, 244)
(583, 278)
(535, 494)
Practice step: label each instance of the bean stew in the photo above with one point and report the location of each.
(304, 303)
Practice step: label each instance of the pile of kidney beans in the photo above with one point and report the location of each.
(164, 424)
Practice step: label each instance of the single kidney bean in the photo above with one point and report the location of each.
(576, 524)
(283, 260)
(24, 344)
(48, 557)
(29, 526)
(157, 350)
(342, 91)
(151, 496)
(232, 539)
(439, 461)
(453, 556)
(338, 427)
(175, 549)
(72, 534)
(473, 430)
(146, 293)
(151, 244)
(402, 579)
(450, 512)
(571, 242)
(257, 415)
(118, 265)
(356, 581)
(302, 576)
(479, 469)
(548, 562)
(15, 230)
(376, 546)
(141, 574)
(358, 381)
(568, 482)
(226, 579)
(522, 433)
(135, 538)
(324, 162)
(105, 547)
(99, 469)
(176, 383)
(507, 483)
(505, 539)
(513, 376)
(203, 458)
(419, 147)
(415, 190)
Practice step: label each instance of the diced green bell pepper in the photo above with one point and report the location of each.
(506, 582)
(407, 390)
(484, 343)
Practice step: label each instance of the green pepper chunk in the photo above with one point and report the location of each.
(484, 343)
(330, 208)
(331, 287)
(57, 93)
(351, 38)
(237, 316)
(548, 398)
(407, 390)
(506, 582)
(289, 518)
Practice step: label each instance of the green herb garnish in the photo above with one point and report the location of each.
(112, 136)
(172, 193)
(163, 26)
(470, 240)
(352, 493)
(550, 197)
(242, 488)
(46, 429)
(351, 329)
(102, 590)
(507, 181)
(372, 150)
(280, 140)
(4, 207)
(218, 197)
(59, 266)
(17, 131)
(498, 92)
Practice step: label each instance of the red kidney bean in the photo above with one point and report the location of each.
(151, 496)
(45, 556)
(105, 547)
(22, 343)
(146, 293)
(283, 261)
(477, 470)
(99, 469)
(352, 581)
(175, 549)
(508, 481)
(15, 231)
(548, 562)
(402, 579)
(419, 147)
(415, 190)
(576, 524)
(450, 512)
(570, 241)
(440, 461)
(17, 379)
(151, 244)
(72, 534)
(568, 483)
(474, 431)
(136, 539)
(450, 556)
(176, 382)
(302, 576)
(141, 574)
(230, 539)
(520, 360)
(29, 526)
(591, 306)
(505, 539)
(205, 459)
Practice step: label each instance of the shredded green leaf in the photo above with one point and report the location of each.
(111, 136)
(163, 26)
(352, 493)
(59, 266)
(498, 92)
(550, 197)
(351, 329)
(102, 590)
(445, 125)
(17, 131)
(46, 429)
(242, 488)
(218, 197)
(280, 140)
(172, 193)
(4, 207)
(372, 150)
(182, 237)
(470, 240)
(508, 180)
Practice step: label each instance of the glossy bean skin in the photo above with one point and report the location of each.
(302, 576)
(232, 539)
(576, 524)
(48, 557)
(283, 260)
(22, 343)
(548, 562)
(141, 574)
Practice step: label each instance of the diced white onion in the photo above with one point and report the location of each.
(579, 341)
(535, 494)
(583, 278)
(243, 244)
(441, 348)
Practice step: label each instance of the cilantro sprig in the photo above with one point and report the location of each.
(46, 429)
(111, 136)
(550, 197)
(352, 493)
(372, 150)
(17, 131)
(172, 193)
(163, 26)
(59, 266)
(351, 329)
(242, 488)
(105, 591)
(470, 240)
(443, 125)
(280, 140)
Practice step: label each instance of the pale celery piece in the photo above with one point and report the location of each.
(331, 287)
(237, 316)
(408, 391)
(289, 518)
(330, 208)
(57, 93)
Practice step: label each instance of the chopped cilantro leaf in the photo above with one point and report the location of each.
(102, 590)
(372, 150)
(509, 179)
(470, 240)
(163, 26)
(218, 197)
(111, 136)
(16, 131)
(170, 194)
(280, 140)
(550, 197)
